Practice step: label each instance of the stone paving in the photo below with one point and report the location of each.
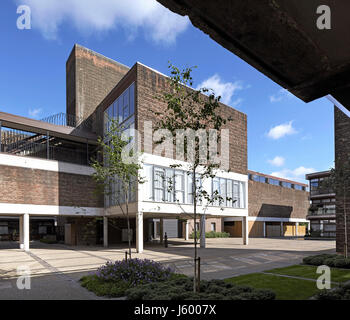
(56, 269)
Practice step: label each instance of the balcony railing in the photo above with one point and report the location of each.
(322, 212)
(68, 120)
(36, 145)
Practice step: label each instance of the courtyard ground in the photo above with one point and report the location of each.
(56, 269)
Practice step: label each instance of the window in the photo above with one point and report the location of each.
(158, 181)
(298, 187)
(213, 226)
(169, 185)
(229, 189)
(122, 108)
(179, 186)
(273, 182)
(286, 184)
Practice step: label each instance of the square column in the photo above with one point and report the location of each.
(139, 232)
(161, 229)
(296, 228)
(245, 232)
(26, 231)
(105, 232)
(264, 229)
(187, 230)
(282, 233)
(202, 231)
(21, 234)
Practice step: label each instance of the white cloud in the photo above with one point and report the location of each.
(297, 174)
(159, 23)
(277, 161)
(224, 89)
(281, 95)
(34, 113)
(281, 130)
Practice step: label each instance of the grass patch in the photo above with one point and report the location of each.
(284, 288)
(112, 289)
(182, 289)
(337, 275)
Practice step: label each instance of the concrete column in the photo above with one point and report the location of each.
(245, 232)
(26, 231)
(264, 229)
(139, 232)
(187, 230)
(296, 228)
(202, 231)
(105, 232)
(161, 229)
(21, 235)
(282, 233)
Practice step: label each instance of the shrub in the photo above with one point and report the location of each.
(182, 289)
(341, 293)
(212, 234)
(113, 278)
(331, 260)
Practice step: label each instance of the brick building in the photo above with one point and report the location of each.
(45, 172)
(277, 207)
(322, 211)
(44, 165)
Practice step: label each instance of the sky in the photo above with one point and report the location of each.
(286, 137)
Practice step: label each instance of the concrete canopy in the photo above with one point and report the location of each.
(281, 39)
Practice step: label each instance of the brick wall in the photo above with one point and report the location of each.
(208, 222)
(89, 78)
(265, 200)
(342, 153)
(41, 187)
(151, 84)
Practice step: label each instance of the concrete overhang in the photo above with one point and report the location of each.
(30, 125)
(281, 39)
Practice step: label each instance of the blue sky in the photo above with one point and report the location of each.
(286, 136)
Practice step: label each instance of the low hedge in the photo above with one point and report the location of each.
(341, 293)
(212, 234)
(114, 278)
(330, 260)
(182, 289)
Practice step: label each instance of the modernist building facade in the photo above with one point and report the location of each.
(322, 212)
(277, 207)
(45, 172)
(44, 165)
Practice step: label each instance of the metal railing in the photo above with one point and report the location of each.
(68, 120)
(29, 144)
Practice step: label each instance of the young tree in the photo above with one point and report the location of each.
(115, 177)
(190, 117)
(339, 181)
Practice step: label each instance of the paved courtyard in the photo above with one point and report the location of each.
(56, 269)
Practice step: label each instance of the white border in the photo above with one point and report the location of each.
(46, 210)
(42, 164)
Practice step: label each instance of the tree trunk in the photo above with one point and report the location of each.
(345, 228)
(128, 220)
(195, 229)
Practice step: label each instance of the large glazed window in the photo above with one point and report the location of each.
(121, 110)
(176, 186)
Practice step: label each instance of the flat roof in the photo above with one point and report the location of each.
(319, 174)
(277, 178)
(30, 125)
